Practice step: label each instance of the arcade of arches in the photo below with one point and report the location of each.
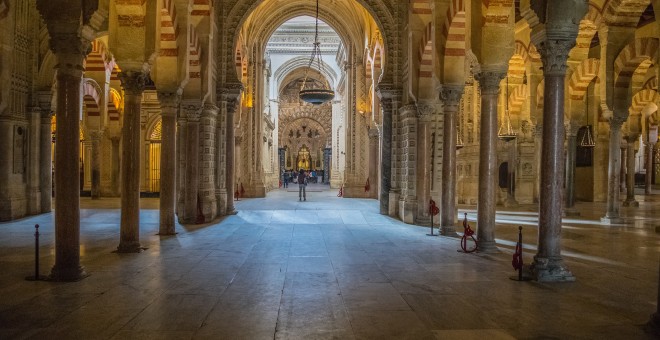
(190, 100)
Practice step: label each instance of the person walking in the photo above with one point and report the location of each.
(285, 179)
(302, 183)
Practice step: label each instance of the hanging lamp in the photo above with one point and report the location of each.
(506, 132)
(587, 140)
(316, 95)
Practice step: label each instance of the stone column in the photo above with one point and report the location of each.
(373, 163)
(192, 111)
(133, 83)
(116, 162)
(548, 264)
(630, 175)
(512, 147)
(386, 154)
(538, 140)
(451, 95)
(489, 81)
(169, 105)
(34, 169)
(232, 106)
(424, 116)
(46, 162)
(70, 52)
(622, 174)
(181, 151)
(96, 164)
(649, 168)
(571, 148)
(612, 216)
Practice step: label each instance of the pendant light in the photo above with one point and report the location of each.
(587, 140)
(506, 132)
(318, 95)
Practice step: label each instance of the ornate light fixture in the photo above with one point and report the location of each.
(587, 140)
(506, 132)
(319, 95)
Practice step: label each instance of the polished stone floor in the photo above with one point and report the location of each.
(329, 268)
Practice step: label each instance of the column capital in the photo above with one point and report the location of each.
(230, 91)
(210, 110)
(232, 105)
(169, 102)
(617, 121)
(425, 112)
(489, 81)
(70, 50)
(374, 134)
(133, 82)
(451, 95)
(191, 110)
(554, 54)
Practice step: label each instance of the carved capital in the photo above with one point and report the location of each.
(451, 95)
(425, 112)
(616, 122)
(489, 81)
(232, 105)
(210, 110)
(373, 134)
(554, 54)
(191, 111)
(133, 82)
(229, 91)
(70, 50)
(169, 103)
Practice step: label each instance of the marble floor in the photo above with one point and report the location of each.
(329, 268)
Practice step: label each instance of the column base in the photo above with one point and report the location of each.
(612, 220)
(59, 274)
(407, 210)
(550, 270)
(487, 247)
(129, 247)
(449, 231)
(393, 205)
(653, 326)
(630, 203)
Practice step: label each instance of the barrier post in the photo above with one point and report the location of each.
(517, 261)
(36, 276)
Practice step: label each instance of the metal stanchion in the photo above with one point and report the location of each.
(433, 210)
(517, 261)
(36, 276)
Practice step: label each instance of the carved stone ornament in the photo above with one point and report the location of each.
(617, 121)
(133, 82)
(425, 112)
(169, 102)
(192, 112)
(70, 50)
(451, 95)
(489, 82)
(554, 54)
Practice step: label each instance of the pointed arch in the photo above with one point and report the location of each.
(631, 57)
(582, 77)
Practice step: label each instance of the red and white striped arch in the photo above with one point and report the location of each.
(426, 53)
(91, 97)
(582, 77)
(643, 98)
(517, 98)
(453, 30)
(624, 12)
(114, 103)
(95, 61)
(201, 8)
(630, 59)
(194, 52)
(169, 30)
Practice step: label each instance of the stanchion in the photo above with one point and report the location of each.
(36, 276)
(468, 242)
(433, 210)
(517, 261)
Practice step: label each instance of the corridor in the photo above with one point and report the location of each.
(327, 268)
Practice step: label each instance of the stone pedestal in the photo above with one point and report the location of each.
(169, 104)
(451, 94)
(489, 81)
(630, 175)
(612, 216)
(133, 83)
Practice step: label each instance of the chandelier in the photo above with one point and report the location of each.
(506, 132)
(587, 140)
(316, 95)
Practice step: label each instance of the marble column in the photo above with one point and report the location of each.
(612, 216)
(386, 155)
(169, 105)
(548, 264)
(115, 178)
(622, 174)
(181, 152)
(649, 169)
(70, 52)
(33, 178)
(96, 164)
(489, 82)
(630, 175)
(571, 148)
(424, 116)
(193, 112)
(46, 162)
(232, 106)
(373, 163)
(133, 83)
(451, 95)
(512, 147)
